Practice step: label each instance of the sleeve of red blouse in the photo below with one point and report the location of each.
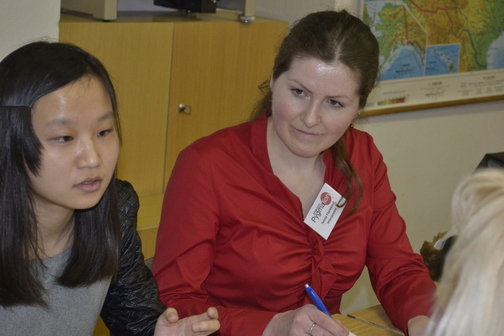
(399, 277)
(186, 246)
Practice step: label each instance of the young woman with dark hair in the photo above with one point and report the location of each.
(69, 250)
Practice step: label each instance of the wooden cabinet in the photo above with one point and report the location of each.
(210, 62)
(216, 70)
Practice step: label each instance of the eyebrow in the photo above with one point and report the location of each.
(62, 121)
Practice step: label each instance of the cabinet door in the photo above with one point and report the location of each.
(138, 58)
(216, 70)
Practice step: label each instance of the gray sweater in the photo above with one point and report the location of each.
(71, 311)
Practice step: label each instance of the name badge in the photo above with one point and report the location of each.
(324, 212)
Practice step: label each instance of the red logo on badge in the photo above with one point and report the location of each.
(325, 197)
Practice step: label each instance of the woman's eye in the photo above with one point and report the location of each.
(335, 103)
(297, 92)
(104, 132)
(65, 138)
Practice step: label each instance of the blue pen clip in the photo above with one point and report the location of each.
(316, 300)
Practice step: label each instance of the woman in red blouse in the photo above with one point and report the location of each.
(297, 196)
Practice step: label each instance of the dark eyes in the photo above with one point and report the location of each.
(66, 138)
(105, 132)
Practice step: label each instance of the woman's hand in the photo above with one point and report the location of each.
(168, 323)
(305, 320)
(417, 325)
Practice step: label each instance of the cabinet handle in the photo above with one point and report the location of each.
(186, 109)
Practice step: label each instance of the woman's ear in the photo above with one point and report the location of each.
(271, 82)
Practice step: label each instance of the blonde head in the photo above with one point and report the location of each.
(471, 290)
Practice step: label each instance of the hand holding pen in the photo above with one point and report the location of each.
(316, 300)
(319, 304)
(306, 319)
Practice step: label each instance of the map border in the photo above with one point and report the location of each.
(435, 91)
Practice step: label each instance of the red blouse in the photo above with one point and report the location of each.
(232, 236)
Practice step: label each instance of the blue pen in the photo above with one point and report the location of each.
(316, 300)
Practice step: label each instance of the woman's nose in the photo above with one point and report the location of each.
(88, 155)
(312, 115)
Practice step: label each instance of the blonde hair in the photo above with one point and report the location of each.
(471, 289)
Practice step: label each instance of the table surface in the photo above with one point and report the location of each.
(368, 316)
(361, 328)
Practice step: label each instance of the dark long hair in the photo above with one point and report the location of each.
(330, 36)
(26, 75)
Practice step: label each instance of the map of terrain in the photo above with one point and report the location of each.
(436, 37)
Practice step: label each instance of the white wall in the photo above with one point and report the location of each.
(427, 152)
(25, 21)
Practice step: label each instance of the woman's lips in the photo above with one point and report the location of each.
(304, 133)
(89, 186)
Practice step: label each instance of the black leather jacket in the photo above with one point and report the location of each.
(132, 303)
